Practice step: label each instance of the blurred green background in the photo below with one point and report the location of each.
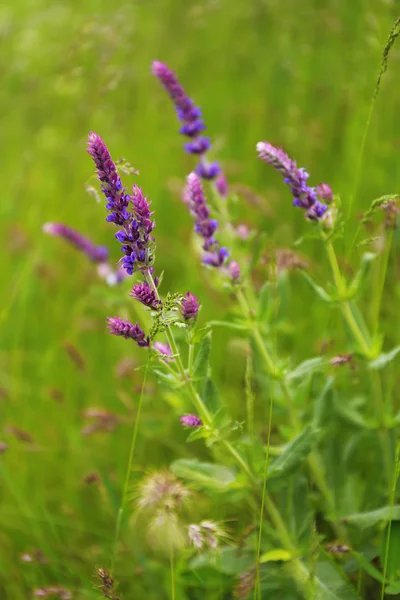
(297, 73)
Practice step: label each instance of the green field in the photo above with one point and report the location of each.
(298, 73)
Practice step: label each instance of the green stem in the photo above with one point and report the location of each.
(392, 497)
(124, 496)
(378, 289)
(172, 567)
(313, 461)
(345, 307)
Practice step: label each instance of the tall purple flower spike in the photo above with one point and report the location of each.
(204, 225)
(190, 116)
(304, 196)
(127, 330)
(130, 212)
(97, 254)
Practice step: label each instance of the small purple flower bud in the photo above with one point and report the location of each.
(324, 191)
(198, 146)
(221, 185)
(234, 270)
(190, 306)
(144, 294)
(97, 254)
(193, 128)
(208, 170)
(191, 421)
(125, 329)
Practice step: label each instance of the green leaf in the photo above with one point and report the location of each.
(202, 358)
(323, 404)
(228, 561)
(349, 412)
(362, 273)
(276, 555)
(371, 518)
(384, 359)
(390, 553)
(367, 566)
(331, 584)
(264, 302)
(229, 325)
(204, 476)
(211, 395)
(393, 588)
(293, 455)
(307, 367)
(317, 288)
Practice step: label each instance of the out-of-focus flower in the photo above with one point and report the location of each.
(97, 254)
(162, 491)
(164, 350)
(190, 116)
(207, 534)
(324, 191)
(191, 421)
(304, 196)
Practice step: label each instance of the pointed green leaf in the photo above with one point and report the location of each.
(203, 358)
(371, 518)
(305, 368)
(211, 395)
(362, 272)
(293, 455)
(384, 359)
(264, 301)
(323, 294)
(204, 476)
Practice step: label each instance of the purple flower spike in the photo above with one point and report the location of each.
(190, 115)
(125, 329)
(191, 421)
(234, 270)
(221, 185)
(97, 254)
(304, 196)
(130, 212)
(190, 306)
(144, 294)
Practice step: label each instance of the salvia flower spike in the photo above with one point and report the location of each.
(191, 118)
(204, 225)
(97, 254)
(127, 330)
(146, 295)
(305, 197)
(130, 212)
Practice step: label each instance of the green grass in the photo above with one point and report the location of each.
(297, 73)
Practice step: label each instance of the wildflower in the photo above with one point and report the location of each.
(100, 420)
(53, 591)
(190, 116)
(97, 254)
(206, 534)
(234, 270)
(162, 491)
(164, 350)
(111, 276)
(324, 191)
(107, 584)
(131, 212)
(3, 447)
(146, 295)
(304, 196)
(190, 306)
(204, 225)
(341, 359)
(221, 185)
(127, 330)
(191, 421)
(245, 585)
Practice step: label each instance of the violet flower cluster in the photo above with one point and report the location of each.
(193, 124)
(130, 212)
(191, 421)
(96, 254)
(204, 225)
(305, 197)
